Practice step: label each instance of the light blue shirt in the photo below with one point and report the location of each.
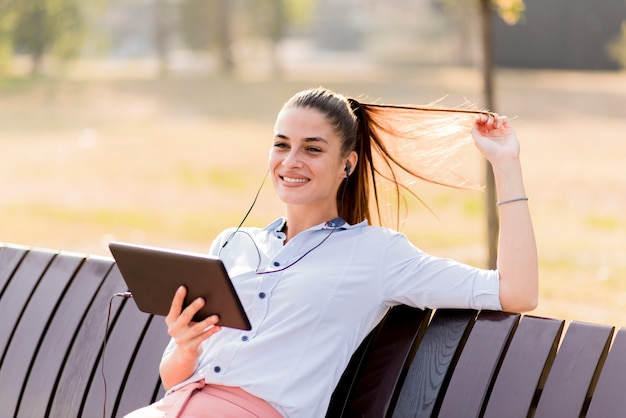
(308, 319)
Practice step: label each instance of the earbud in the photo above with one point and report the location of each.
(347, 170)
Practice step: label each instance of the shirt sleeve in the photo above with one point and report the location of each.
(415, 278)
(222, 239)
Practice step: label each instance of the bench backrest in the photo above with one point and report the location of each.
(447, 363)
(54, 310)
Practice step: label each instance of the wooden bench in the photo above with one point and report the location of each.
(446, 363)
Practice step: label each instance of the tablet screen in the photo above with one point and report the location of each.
(154, 274)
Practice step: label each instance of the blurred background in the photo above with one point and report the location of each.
(151, 120)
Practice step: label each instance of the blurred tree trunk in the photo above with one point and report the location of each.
(511, 11)
(36, 63)
(486, 21)
(161, 36)
(224, 41)
(6, 47)
(276, 34)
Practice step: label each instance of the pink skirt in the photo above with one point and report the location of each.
(198, 399)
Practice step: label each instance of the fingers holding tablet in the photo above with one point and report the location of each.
(182, 328)
(177, 305)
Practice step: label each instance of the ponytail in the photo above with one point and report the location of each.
(395, 146)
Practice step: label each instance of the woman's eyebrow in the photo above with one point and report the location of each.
(307, 139)
(315, 139)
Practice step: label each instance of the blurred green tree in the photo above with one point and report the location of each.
(267, 20)
(299, 12)
(7, 18)
(40, 27)
(207, 24)
(196, 23)
(213, 25)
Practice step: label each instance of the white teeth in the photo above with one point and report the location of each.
(290, 180)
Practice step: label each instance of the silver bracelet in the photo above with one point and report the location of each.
(517, 199)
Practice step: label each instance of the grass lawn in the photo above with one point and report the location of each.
(173, 162)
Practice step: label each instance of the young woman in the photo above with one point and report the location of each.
(317, 281)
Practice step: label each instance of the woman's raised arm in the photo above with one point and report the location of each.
(517, 250)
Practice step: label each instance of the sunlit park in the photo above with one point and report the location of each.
(150, 121)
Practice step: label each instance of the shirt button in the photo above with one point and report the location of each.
(276, 264)
(217, 369)
(244, 338)
(262, 295)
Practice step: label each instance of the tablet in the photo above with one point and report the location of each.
(154, 274)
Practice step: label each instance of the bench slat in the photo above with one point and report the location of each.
(14, 301)
(74, 379)
(32, 328)
(56, 344)
(478, 364)
(159, 392)
(141, 384)
(575, 369)
(385, 361)
(524, 369)
(609, 397)
(426, 376)
(124, 336)
(10, 257)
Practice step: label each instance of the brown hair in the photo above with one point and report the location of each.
(394, 144)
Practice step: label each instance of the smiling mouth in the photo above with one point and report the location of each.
(292, 180)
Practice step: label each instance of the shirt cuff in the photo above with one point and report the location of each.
(487, 291)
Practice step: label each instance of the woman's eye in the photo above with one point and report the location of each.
(280, 145)
(313, 149)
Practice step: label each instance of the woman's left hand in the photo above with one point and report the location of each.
(495, 137)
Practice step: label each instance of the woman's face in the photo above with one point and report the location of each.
(305, 160)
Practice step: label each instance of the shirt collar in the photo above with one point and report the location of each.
(278, 225)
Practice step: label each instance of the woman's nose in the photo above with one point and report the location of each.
(292, 159)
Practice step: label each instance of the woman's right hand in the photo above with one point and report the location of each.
(188, 336)
(181, 327)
